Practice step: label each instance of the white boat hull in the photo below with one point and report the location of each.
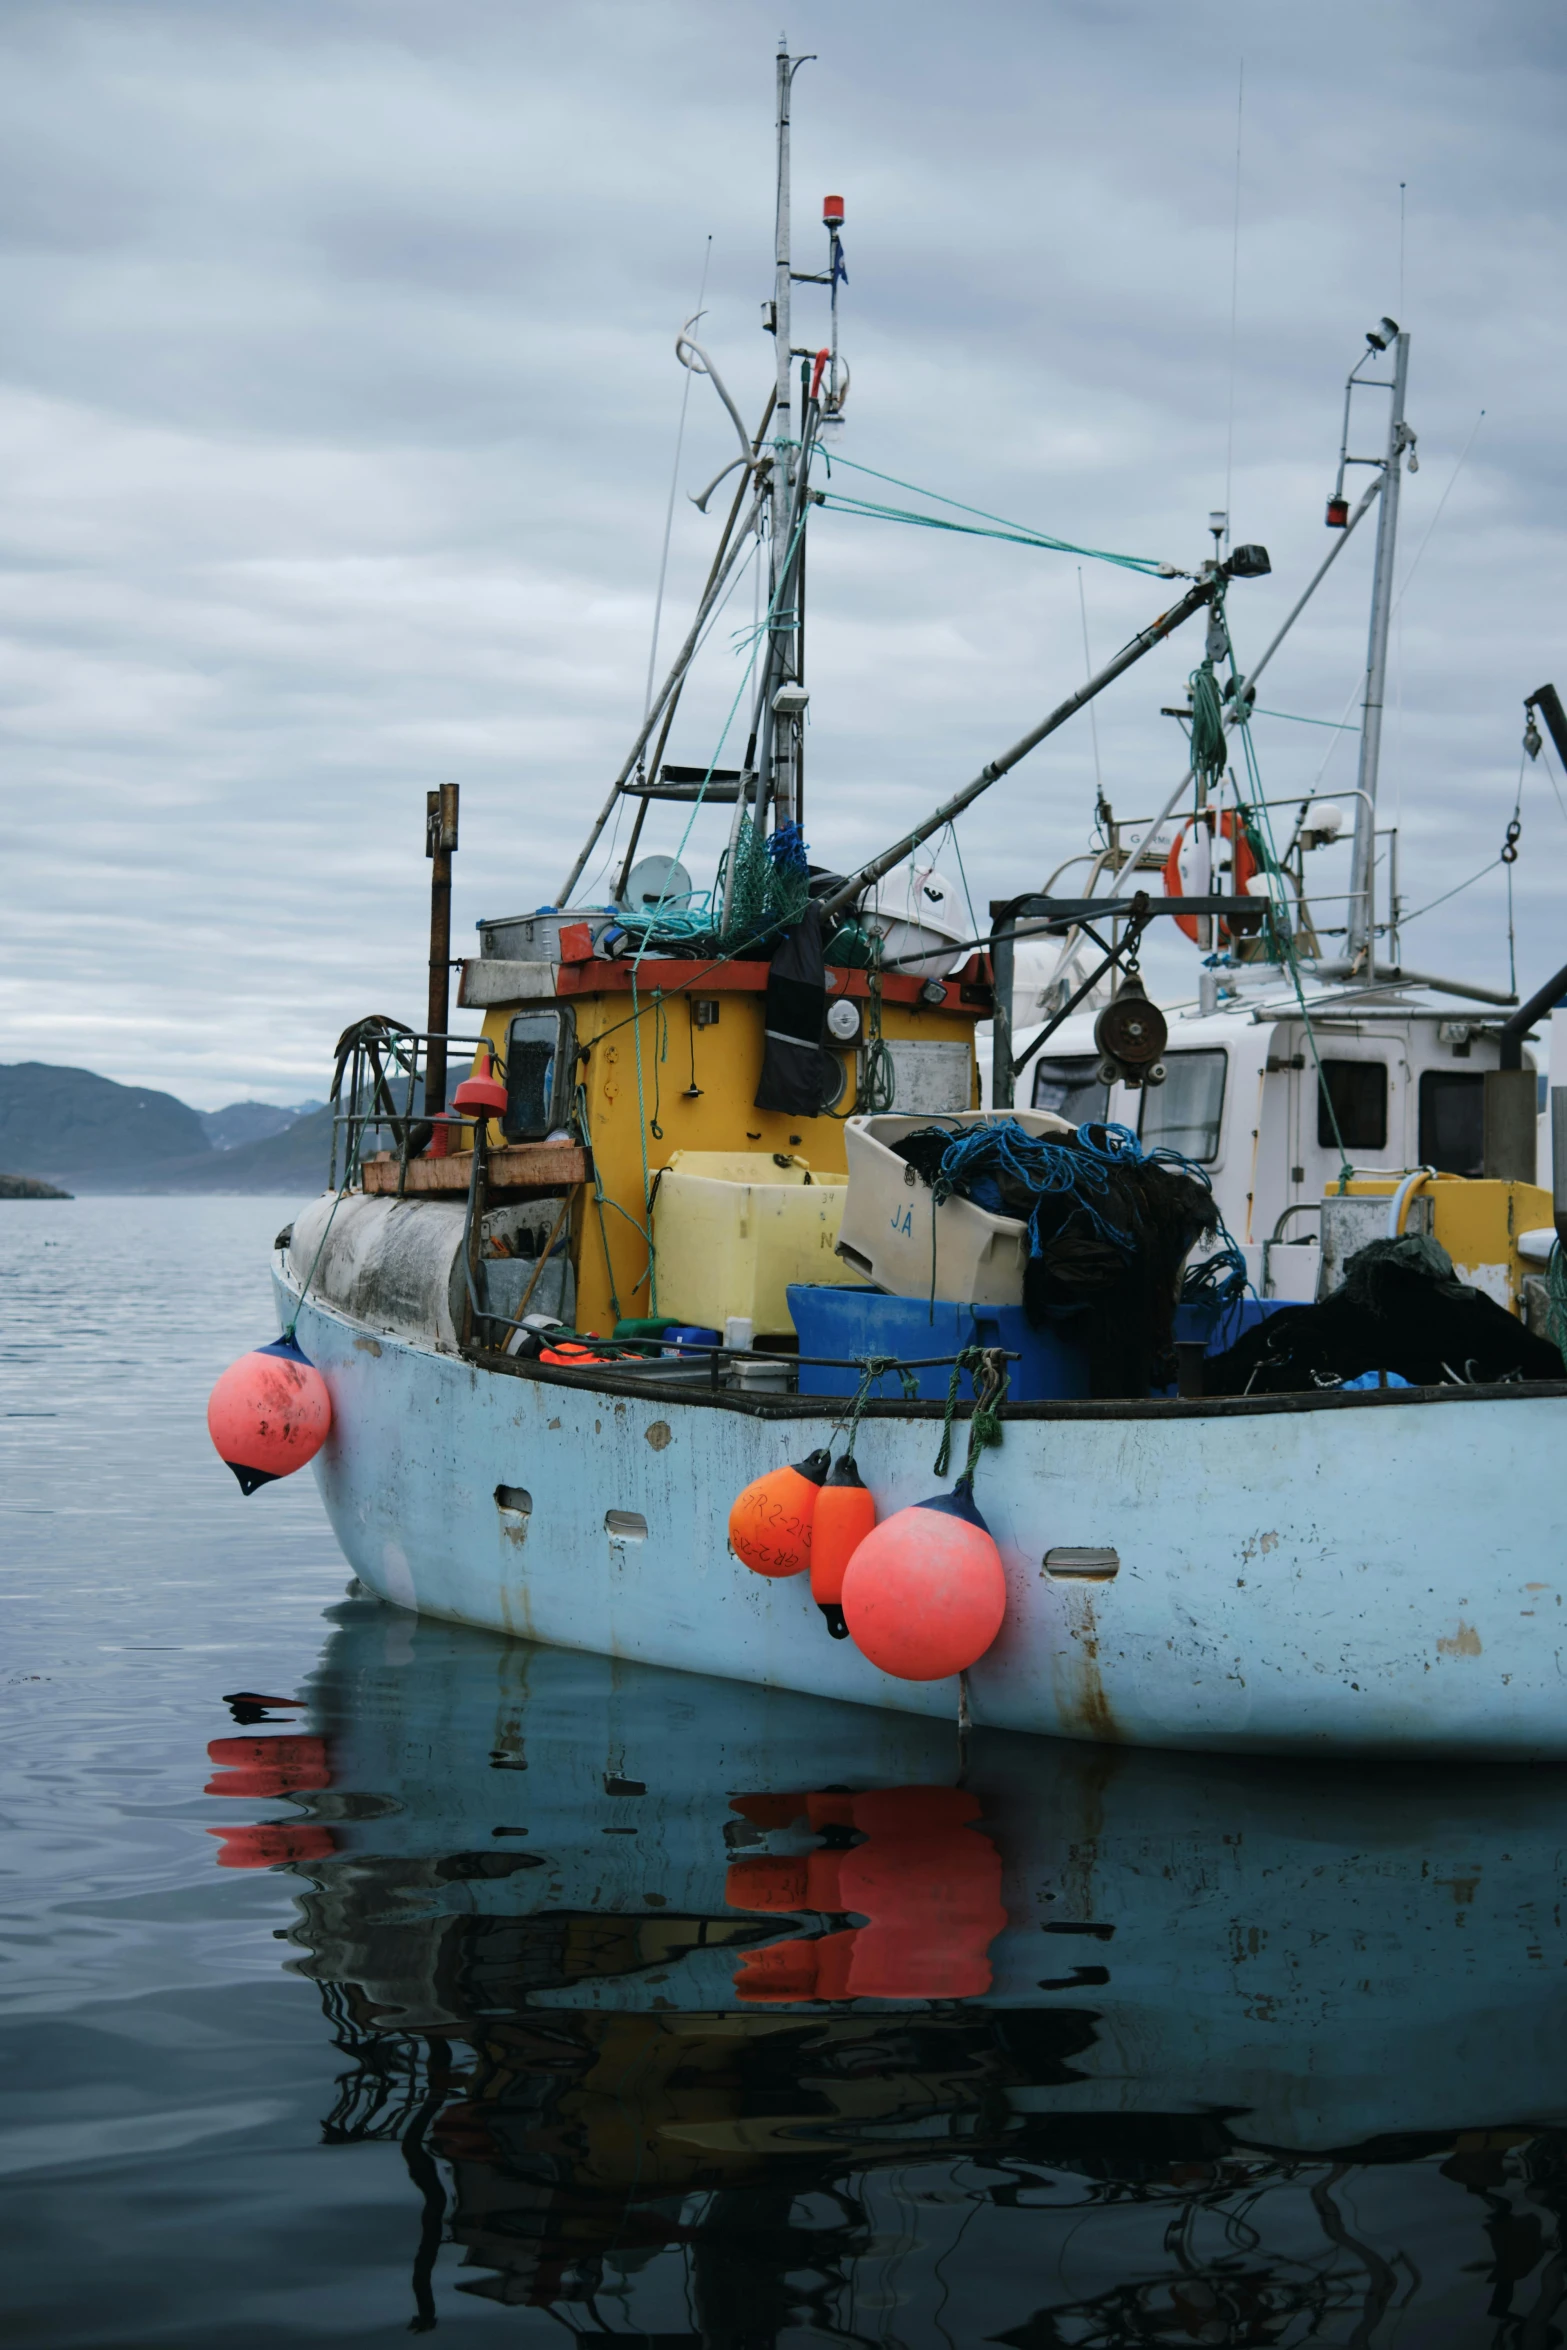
(1379, 1574)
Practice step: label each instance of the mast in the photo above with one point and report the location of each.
(1363, 859)
(777, 732)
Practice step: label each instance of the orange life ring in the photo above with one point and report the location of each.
(1243, 865)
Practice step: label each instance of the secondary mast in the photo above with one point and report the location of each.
(1387, 334)
(779, 725)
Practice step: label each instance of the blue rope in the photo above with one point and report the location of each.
(975, 1161)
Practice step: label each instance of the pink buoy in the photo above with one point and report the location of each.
(269, 1414)
(925, 1594)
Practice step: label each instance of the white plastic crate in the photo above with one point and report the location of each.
(886, 1232)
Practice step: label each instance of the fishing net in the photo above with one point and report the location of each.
(1110, 1226)
(1402, 1309)
(771, 882)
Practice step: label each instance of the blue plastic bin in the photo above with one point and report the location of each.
(851, 1323)
(681, 1335)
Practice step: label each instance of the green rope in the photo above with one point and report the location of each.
(1210, 751)
(991, 1381)
(1017, 533)
(873, 1369)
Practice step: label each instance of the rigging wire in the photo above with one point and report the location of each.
(1283, 933)
(1359, 687)
(651, 1274)
(674, 483)
(1235, 282)
(1550, 777)
(1295, 719)
(1489, 866)
(1093, 714)
(1509, 857)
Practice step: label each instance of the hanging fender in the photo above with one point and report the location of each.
(1243, 865)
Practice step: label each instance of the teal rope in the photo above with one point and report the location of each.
(1335, 725)
(1018, 533)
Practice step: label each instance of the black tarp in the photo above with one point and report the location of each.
(796, 1072)
(1401, 1308)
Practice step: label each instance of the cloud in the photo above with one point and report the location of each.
(340, 397)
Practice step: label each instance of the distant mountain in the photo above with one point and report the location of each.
(244, 1122)
(292, 1163)
(97, 1135)
(28, 1187)
(84, 1131)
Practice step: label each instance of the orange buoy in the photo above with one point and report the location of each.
(845, 1514)
(770, 1522)
(924, 1595)
(269, 1414)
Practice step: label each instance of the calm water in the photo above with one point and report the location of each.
(522, 1995)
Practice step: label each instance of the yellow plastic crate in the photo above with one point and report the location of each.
(732, 1229)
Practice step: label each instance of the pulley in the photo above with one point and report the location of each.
(1130, 1034)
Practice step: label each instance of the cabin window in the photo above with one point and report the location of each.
(540, 1068)
(1186, 1112)
(1355, 1094)
(1452, 1120)
(1072, 1088)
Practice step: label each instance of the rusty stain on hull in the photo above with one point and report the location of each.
(1085, 1707)
(1465, 1642)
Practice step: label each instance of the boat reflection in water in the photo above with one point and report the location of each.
(707, 2014)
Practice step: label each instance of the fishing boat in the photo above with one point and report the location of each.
(670, 1234)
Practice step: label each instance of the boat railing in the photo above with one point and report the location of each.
(378, 1094)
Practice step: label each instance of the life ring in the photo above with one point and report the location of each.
(1243, 865)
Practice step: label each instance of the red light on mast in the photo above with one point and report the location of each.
(1338, 514)
(832, 212)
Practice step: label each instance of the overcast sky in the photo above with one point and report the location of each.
(339, 405)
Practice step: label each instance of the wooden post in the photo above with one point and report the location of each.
(440, 842)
